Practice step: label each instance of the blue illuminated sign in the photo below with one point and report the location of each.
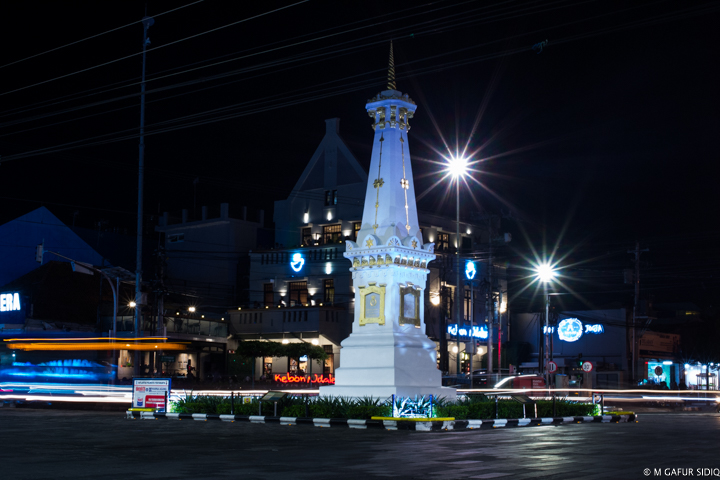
(9, 302)
(297, 262)
(473, 332)
(597, 328)
(571, 329)
(470, 270)
(11, 308)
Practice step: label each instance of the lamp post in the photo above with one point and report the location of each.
(545, 273)
(457, 167)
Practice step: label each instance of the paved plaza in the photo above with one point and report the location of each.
(63, 444)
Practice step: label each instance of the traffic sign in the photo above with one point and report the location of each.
(552, 367)
(587, 367)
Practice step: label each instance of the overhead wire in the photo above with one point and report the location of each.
(152, 49)
(96, 35)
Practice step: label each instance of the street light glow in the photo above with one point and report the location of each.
(457, 166)
(191, 309)
(545, 272)
(132, 304)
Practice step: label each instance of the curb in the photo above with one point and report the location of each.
(431, 426)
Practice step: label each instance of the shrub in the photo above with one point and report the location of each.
(459, 412)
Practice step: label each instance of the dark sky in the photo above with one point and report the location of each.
(606, 136)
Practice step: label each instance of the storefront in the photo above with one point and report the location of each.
(659, 367)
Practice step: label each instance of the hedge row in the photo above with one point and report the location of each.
(473, 407)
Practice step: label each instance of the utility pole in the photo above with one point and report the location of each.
(490, 304)
(459, 289)
(147, 23)
(636, 303)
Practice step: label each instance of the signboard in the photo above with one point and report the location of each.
(409, 305)
(470, 270)
(12, 308)
(467, 331)
(372, 304)
(150, 393)
(297, 262)
(552, 367)
(652, 342)
(571, 329)
(587, 367)
(314, 378)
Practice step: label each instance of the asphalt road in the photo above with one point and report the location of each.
(55, 444)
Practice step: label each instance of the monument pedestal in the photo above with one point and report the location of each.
(380, 365)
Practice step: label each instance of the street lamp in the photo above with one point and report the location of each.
(457, 167)
(545, 274)
(132, 304)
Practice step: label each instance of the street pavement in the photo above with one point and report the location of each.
(64, 444)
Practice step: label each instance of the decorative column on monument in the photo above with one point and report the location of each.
(388, 352)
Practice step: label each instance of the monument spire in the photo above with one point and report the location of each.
(391, 70)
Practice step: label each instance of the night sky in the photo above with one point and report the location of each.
(605, 137)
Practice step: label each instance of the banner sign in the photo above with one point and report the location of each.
(150, 393)
(315, 378)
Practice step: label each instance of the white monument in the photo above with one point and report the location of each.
(388, 352)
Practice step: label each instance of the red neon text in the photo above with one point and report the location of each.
(290, 378)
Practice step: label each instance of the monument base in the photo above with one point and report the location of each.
(385, 392)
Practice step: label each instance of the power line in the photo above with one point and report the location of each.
(95, 36)
(155, 48)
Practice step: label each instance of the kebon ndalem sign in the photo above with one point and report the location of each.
(315, 378)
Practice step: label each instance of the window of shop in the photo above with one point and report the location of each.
(293, 365)
(356, 230)
(443, 242)
(329, 364)
(329, 289)
(298, 293)
(306, 237)
(267, 366)
(268, 294)
(331, 234)
(176, 238)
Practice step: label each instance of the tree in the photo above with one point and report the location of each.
(297, 350)
(254, 349)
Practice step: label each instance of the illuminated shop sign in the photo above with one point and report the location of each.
(571, 329)
(9, 302)
(473, 332)
(315, 378)
(297, 262)
(470, 270)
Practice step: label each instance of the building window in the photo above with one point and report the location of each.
(176, 238)
(356, 230)
(329, 364)
(466, 243)
(329, 288)
(331, 234)
(268, 294)
(330, 197)
(298, 293)
(443, 242)
(306, 237)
